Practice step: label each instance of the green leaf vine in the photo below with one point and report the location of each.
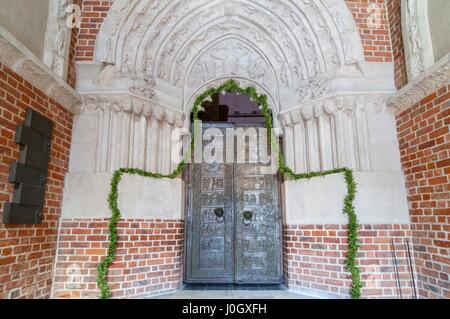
(232, 86)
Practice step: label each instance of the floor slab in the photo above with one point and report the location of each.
(232, 294)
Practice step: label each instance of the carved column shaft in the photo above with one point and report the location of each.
(151, 163)
(363, 140)
(125, 123)
(103, 138)
(164, 150)
(288, 142)
(333, 133)
(324, 133)
(132, 134)
(350, 144)
(301, 164)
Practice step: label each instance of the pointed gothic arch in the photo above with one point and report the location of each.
(172, 48)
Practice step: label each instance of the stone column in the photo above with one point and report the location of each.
(166, 161)
(103, 135)
(178, 124)
(312, 139)
(124, 134)
(339, 125)
(362, 136)
(351, 150)
(324, 136)
(139, 136)
(288, 140)
(299, 142)
(157, 139)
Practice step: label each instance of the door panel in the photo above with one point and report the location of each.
(235, 247)
(211, 250)
(257, 237)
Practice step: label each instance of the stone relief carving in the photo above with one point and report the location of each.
(418, 45)
(233, 58)
(429, 82)
(57, 41)
(173, 41)
(288, 50)
(129, 104)
(14, 56)
(142, 85)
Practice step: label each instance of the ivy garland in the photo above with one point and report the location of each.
(232, 86)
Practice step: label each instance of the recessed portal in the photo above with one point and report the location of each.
(233, 220)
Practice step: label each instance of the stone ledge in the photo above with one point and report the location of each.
(380, 199)
(433, 79)
(19, 59)
(86, 196)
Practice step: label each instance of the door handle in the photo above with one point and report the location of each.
(248, 215)
(219, 214)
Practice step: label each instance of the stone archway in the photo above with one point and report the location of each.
(288, 49)
(154, 58)
(157, 55)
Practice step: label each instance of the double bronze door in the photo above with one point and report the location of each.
(233, 224)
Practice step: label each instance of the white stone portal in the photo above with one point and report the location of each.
(154, 57)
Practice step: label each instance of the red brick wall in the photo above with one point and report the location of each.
(149, 258)
(93, 14)
(314, 258)
(376, 41)
(27, 252)
(424, 138)
(395, 24)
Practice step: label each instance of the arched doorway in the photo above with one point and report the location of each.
(155, 58)
(233, 228)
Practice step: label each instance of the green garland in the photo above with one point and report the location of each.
(232, 86)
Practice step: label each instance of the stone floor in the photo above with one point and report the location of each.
(233, 294)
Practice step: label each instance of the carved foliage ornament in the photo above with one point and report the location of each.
(283, 44)
(24, 63)
(130, 104)
(334, 105)
(432, 80)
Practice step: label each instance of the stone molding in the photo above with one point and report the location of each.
(430, 81)
(133, 104)
(19, 59)
(333, 104)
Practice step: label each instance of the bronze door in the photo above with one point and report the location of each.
(233, 224)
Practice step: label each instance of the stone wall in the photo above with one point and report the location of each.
(27, 252)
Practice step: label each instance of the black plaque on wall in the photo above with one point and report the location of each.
(29, 174)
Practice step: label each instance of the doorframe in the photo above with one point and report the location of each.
(187, 177)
